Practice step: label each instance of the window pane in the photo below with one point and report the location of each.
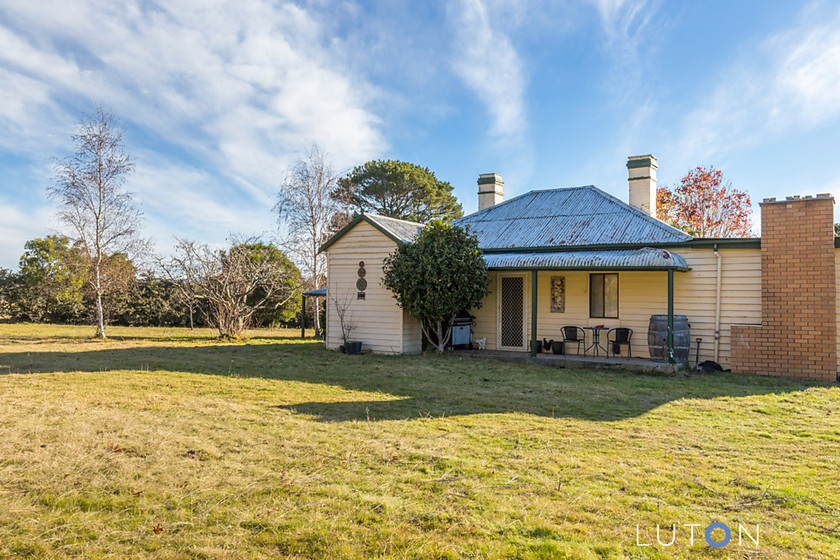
(611, 295)
(596, 295)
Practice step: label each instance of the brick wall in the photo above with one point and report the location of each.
(797, 335)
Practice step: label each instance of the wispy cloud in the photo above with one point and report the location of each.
(235, 87)
(625, 22)
(789, 83)
(488, 63)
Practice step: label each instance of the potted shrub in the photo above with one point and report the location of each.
(353, 347)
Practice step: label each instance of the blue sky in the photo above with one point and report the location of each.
(219, 97)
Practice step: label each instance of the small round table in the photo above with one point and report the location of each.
(596, 341)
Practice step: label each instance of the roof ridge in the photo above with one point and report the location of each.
(533, 192)
(393, 219)
(485, 210)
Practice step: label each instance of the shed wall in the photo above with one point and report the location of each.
(378, 321)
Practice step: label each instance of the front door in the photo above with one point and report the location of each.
(512, 312)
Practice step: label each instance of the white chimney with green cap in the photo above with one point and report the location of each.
(490, 190)
(642, 179)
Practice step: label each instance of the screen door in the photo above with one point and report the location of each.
(512, 312)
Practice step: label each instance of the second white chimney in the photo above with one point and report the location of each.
(490, 190)
(642, 180)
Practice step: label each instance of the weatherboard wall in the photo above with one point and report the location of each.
(644, 293)
(837, 304)
(378, 322)
(694, 296)
(384, 328)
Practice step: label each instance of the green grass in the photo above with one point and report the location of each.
(163, 443)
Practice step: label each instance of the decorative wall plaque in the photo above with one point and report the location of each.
(558, 294)
(361, 283)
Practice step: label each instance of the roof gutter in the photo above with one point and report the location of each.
(612, 268)
(739, 243)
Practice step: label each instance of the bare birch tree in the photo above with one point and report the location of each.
(305, 207)
(101, 215)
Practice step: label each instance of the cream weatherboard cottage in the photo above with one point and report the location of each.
(579, 256)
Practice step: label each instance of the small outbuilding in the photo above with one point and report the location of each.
(355, 256)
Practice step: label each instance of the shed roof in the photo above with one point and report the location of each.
(399, 231)
(402, 230)
(626, 259)
(567, 217)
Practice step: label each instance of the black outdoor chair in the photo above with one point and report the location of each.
(574, 335)
(618, 337)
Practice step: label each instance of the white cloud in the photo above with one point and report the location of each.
(239, 85)
(489, 64)
(788, 84)
(808, 73)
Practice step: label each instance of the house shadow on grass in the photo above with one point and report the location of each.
(410, 386)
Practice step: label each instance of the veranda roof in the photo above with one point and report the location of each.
(647, 258)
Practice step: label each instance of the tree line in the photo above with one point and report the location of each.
(55, 283)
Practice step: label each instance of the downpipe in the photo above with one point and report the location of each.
(719, 259)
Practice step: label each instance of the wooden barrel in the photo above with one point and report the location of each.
(658, 337)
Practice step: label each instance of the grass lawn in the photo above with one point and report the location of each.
(162, 443)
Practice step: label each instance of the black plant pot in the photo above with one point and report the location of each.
(557, 347)
(354, 348)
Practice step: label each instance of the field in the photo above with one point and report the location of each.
(163, 443)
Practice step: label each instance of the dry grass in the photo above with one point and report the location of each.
(166, 444)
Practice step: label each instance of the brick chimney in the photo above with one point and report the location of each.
(642, 180)
(490, 190)
(798, 332)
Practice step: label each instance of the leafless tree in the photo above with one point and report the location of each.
(305, 207)
(232, 284)
(101, 215)
(345, 321)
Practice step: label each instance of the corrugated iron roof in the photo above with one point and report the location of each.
(628, 259)
(567, 217)
(403, 230)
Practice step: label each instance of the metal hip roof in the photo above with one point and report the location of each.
(565, 218)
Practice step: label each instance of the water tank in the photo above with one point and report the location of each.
(658, 337)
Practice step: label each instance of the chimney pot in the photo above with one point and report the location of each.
(642, 182)
(490, 190)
